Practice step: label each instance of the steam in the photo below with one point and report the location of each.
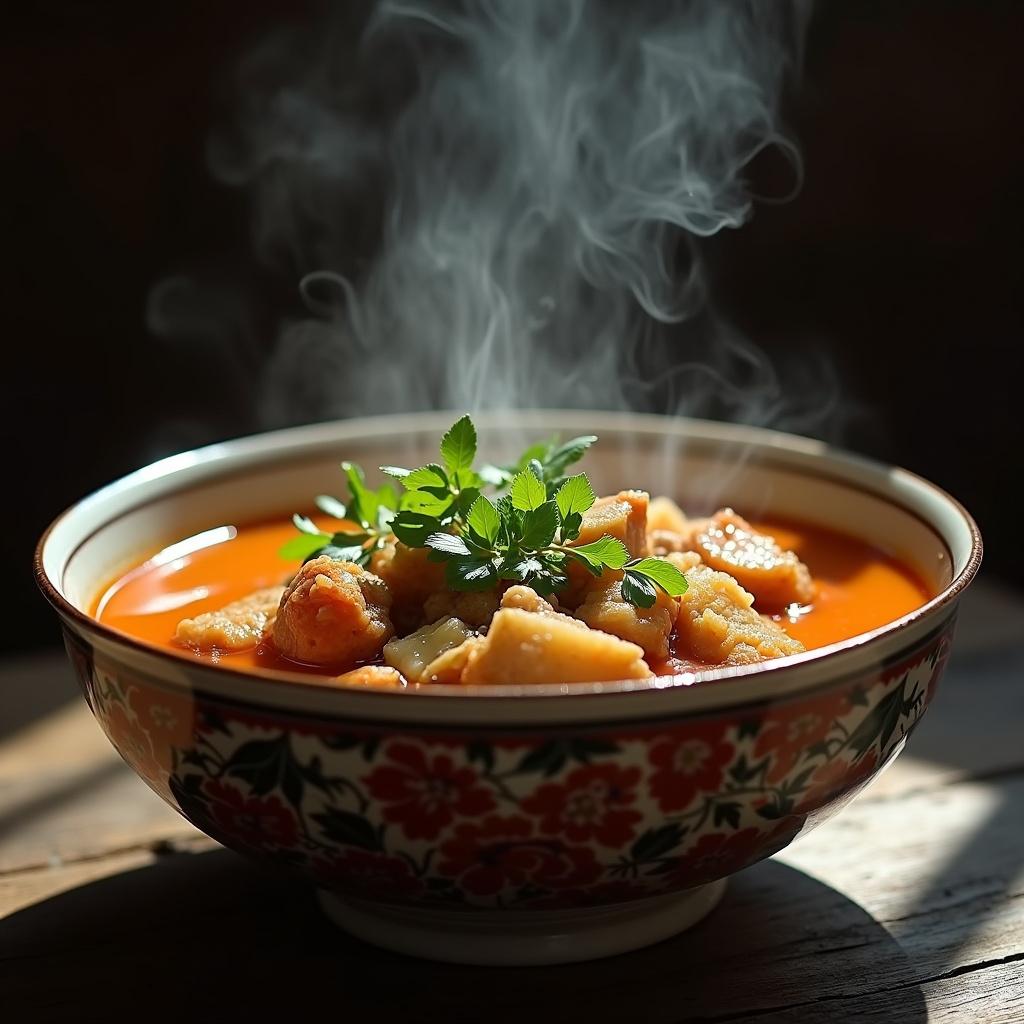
(542, 178)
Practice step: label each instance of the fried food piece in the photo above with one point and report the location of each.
(412, 654)
(236, 627)
(605, 608)
(527, 599)
(333, 613)
(526, 647)
(717, 624)
(775, 577)
(411, 577)
(475, 608)
(374, 677)
(623, 515)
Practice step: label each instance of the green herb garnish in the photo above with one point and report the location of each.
(524, 536)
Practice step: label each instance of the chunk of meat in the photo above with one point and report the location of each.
(411, 577)
(775, 577)
(372, 676)
(236, 627)
(717, 623)
(524, 647)
(623, 515)
(413, 653)
(664, 514)
(475, 608)
(527, 599)
(333, 613)
(605, 608)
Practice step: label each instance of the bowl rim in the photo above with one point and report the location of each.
(259, 450)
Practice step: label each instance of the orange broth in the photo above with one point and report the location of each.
(857, 588)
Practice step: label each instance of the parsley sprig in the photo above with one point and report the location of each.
(524, 536)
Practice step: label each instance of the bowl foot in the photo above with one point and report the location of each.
(521, 938)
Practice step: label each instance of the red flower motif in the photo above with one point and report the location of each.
(835, 777)
(687, 764)
(252, 820)
(374, 875)
(789, 731)
(723, 853)
(499, 852)
(592, 803)
(424, 795)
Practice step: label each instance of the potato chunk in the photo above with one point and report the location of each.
(413, 653)
(775, 577)
(718, 625)
(623, 515)
(333, 613)
(236, 627)
(524, 647)
(605, 608)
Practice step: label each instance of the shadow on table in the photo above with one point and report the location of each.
(211, 933)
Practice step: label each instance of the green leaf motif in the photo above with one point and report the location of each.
(458, 446)
(728, 812)
(656, 843)
(348, 828)
(527, 491)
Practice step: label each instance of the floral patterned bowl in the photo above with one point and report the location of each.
(506, 824)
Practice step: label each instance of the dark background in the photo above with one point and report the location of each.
(901, 257)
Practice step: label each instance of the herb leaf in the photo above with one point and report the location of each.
(638, 590)
(458, 446)
(607, 552)
(301, 547)
(662, 573)
(447, 544)
(483, 520)
(527, 491)
(413, 528)
(331, 506)
(575, 496)
(539, 525)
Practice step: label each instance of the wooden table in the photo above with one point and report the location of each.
(909, 906)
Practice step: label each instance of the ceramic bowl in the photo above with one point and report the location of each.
(504, 824)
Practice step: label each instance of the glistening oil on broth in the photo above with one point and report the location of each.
(857, 587)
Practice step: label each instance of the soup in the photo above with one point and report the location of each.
(543, 582)
(857, 588)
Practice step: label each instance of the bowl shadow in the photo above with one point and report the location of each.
(212, 933)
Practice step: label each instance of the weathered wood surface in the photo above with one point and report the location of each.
(909, 906)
